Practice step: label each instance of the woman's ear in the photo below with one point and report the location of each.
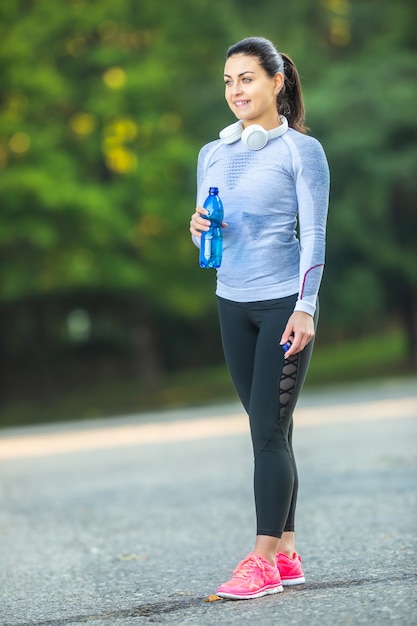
(279, 82)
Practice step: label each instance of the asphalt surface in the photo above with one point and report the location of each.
(136, 520)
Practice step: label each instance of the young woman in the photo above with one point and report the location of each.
(274, 183)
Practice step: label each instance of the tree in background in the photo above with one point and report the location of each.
(364, 108)
(358, 64)
(103, 107)
(97, 154)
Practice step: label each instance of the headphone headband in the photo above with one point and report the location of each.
(255, 137)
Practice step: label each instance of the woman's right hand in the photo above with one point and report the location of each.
(198, 223)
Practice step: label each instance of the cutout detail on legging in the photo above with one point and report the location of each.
(287, 381)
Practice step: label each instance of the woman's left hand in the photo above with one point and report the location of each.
(299, 331)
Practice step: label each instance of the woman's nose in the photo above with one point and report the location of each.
(237, 88)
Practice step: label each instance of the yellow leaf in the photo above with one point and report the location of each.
(132, 557)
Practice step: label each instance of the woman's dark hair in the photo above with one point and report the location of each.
(290, 98)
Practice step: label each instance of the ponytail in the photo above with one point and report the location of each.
(290, 99)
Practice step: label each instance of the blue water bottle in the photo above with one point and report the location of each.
(212, 240)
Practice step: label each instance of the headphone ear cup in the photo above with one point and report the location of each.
(231, 133)
(255, 137)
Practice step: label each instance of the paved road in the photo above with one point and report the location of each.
(136, 520)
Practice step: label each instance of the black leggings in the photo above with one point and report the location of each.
(268, 386)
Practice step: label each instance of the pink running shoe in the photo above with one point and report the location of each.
(290, 569)
(253, 577)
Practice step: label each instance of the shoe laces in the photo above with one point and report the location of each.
(249, 566)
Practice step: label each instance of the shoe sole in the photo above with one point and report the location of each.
(259, 594)
(293, 581)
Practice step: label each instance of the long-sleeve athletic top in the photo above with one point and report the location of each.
(275, 205)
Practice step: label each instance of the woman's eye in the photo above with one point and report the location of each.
(247, 80)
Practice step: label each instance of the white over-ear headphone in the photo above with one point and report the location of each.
(255, 137)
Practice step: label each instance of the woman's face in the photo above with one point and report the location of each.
(250, 92)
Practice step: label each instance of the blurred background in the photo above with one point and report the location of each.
(104, 106)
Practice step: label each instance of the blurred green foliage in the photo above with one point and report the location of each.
(103, 108)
